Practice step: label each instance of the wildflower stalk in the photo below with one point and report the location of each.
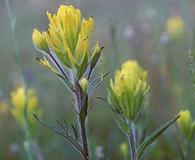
(127, 94)
(132, 141)
(81, 121)
(84, 141)
(186, 126)
(28, 147)
(28, 143)
(66, 47)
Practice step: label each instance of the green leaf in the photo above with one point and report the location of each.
(74, 129)
(96, 82)
(150, 139)
(122, 123)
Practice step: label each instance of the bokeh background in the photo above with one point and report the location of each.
(128, 29)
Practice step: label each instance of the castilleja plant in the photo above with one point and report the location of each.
(65, 46)
(187, 128)
(126, 96)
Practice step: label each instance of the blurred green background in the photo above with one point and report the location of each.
(128, 29)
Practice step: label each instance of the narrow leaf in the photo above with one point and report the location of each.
(74, 129)
(150, 139)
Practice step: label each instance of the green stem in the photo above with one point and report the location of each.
(187, 150)
(15, 43)
(132, 141)
(84, 141)
(83, 133)
(28, 142)
(28, 147)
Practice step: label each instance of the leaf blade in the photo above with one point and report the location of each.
(150, 139)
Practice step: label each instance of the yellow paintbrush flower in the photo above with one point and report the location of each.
(127, 92)
(68, 36)
(185, 124)
(19, 100)
(175, 27)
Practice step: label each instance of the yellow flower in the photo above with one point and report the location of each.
(68, 36)
(185, 124)
(127, 93)
(19, 100)
(175, 27)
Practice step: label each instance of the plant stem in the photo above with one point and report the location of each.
(28, 147)
(84, 141)
(188, 150)
(132, 141)
(83, 134)
(15, 44)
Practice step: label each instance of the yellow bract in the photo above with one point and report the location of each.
(19, 100)
(68, 36)
(39, 41)
(45, 63)
(127, 92)
(175, 27)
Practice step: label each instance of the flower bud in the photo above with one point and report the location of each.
(184, 122)
(84, 84)
(40, 41)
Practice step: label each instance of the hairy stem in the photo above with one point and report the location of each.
(133, 141)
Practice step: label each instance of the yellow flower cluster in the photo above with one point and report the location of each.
(19, 100)
(68, 36)
(185, 124)
(175, 27)
(127, 92)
